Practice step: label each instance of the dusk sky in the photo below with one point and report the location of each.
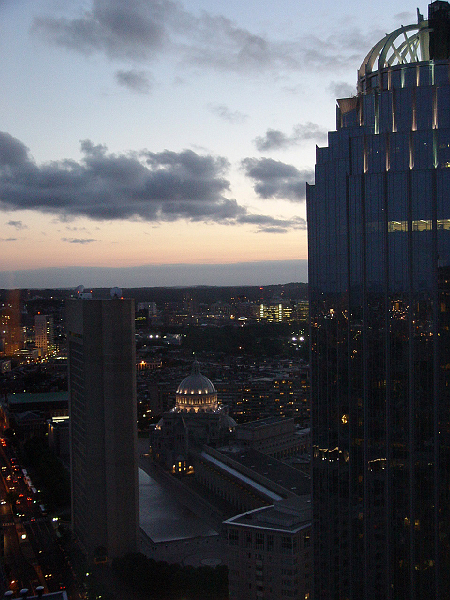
(147, 142)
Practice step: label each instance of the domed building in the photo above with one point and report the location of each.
(196, 419)
(196, 393)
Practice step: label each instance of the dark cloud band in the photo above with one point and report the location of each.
(147, 186)
(275, 179)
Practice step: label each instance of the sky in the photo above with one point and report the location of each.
(157, 142)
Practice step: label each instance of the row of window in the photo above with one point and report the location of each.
(267, 541)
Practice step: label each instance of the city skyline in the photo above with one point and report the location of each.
(157, 134)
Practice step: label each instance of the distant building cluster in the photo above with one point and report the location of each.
(30, 328)
(276, 310)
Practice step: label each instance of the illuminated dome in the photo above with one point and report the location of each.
(196, 393)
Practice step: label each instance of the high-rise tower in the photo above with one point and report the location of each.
(103, 425)
(379, 277)
(43, 332)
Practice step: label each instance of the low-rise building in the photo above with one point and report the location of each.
(275, 436)
(246, 479)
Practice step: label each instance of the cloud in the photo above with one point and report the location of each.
(268, 224)
(121, 30)
(275, 179)
(222, 111)
(12, 152)
(78, 240)
(141, 185)
(139, 30)
(405, 17)
(144, 30)
(17, 224)
(274, 139)
(144, 185)
(341, 89)
(136, 81)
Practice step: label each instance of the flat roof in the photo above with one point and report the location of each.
(28, 398)
(289, 515)
(248, 480)
(163, 517)
(263, 422)
(290, 479)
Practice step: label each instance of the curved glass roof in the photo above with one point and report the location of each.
(407, 44)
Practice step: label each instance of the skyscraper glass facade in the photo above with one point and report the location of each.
(379, 277)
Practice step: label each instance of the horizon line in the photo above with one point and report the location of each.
(246, 273)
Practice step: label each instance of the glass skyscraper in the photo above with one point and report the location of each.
(379, 278)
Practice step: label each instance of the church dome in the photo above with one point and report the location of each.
(196, 392)
(196, 383)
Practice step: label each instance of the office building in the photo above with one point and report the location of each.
(379, 277)
(43, 332)
(280, 311)
(103, 425)
(11, 330)
(268, 551)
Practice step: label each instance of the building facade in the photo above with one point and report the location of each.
(43, 332)
(274, 436)
(103, 425)
(379, 277)
(269, 553)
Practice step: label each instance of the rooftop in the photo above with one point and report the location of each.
(39, 397)
(262, 422)
(292, 480)
(162, 516)
(289, 515)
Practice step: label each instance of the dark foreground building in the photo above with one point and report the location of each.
(103, 425)
(379, 277)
